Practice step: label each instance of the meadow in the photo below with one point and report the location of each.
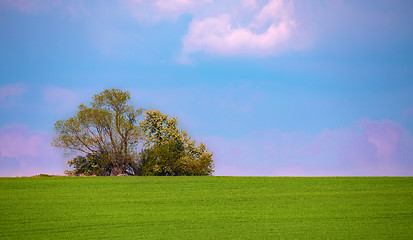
(206, 208)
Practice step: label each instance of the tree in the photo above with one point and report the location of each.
(169, 150)
(108, 133)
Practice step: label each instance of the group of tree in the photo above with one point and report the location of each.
(114, 138)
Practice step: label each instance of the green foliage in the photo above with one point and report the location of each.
(107, 129)
(97, 165)
(170, 151)
(206, 208)
(88, 165)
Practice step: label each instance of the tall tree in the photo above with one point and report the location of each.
(107, 131)
(169, 150)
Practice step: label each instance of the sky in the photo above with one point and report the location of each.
(272, 87)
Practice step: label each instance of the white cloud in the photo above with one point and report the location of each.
(267, 32)
(275, 11)
(217, 35)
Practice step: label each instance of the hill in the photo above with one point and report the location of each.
(206, 208)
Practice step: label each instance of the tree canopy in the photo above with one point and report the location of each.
(171, 151)
(115, 138)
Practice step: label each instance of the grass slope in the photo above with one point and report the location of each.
(206, 208)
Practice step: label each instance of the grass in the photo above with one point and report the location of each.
(206, 208)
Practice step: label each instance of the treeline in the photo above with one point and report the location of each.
(110, 137)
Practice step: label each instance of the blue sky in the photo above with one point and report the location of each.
(274, 87)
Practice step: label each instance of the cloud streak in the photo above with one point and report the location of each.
(15, 89)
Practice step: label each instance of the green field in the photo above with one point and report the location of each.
(206, 208)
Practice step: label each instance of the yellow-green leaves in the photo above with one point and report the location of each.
(169, 150)
(159, 128)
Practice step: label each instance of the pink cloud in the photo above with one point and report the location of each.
(9, 93)
(25, 153)
(393, 144)
(14, 137)
(15, 89)
(370, 148)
